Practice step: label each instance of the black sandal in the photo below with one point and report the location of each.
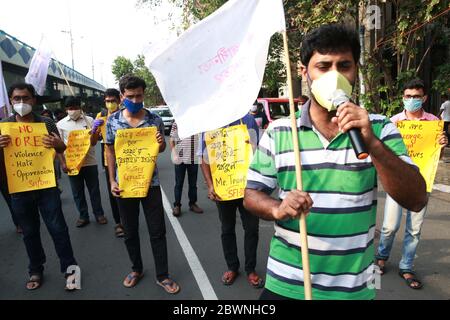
(410, 281)
(35, 278)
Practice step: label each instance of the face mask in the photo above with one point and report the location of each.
(74, 114)
(112, 106)
(324, 87)
(22, 109)
(412, 105)
(133, 107)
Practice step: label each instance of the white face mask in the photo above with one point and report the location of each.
(74, 114)
(23, 109)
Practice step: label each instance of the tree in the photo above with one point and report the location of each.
(123, 66)
(396, 56)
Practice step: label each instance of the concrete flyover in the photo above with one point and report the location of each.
(16, 56)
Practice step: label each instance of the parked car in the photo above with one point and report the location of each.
(276, 108)
(166, 116)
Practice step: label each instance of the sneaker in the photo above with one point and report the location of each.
(195, 208)
(176, 211)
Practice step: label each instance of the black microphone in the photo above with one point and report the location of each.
(339, 97)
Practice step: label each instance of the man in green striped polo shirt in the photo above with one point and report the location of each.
(339, 190)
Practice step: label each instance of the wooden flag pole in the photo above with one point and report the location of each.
(71, 90)
(298, 173)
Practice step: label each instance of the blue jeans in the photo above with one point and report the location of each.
(88, 175)
(391, 224)
(180, 174)
(26, 206)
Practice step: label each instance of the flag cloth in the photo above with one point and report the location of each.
(211, 75)
(5, 107)
(37, 73)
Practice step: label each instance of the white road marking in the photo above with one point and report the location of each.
(194, 263)
(442, 188)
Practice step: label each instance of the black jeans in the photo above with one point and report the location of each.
(88, 175)
(227, 215)
(154, 216)
(7, 197)
(446, 125)
(27, 206)
(112, 199)
(180, 174)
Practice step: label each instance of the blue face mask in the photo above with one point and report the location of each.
(412, 105)
(133, 107)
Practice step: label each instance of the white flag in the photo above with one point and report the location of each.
(5, 107)
(211, 75)
(37, 73)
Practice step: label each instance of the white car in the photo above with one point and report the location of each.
(166, 116)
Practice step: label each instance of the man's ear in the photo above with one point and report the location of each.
(425, 98)
(303, 71)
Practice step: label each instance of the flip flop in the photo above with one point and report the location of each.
(169, 285)
(133, 279)
(410, 281)
(35, 278)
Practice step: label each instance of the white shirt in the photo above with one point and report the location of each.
(66, 125)
(446, 107)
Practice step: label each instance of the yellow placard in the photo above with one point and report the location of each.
(103, 133)
(421, 139)
(136, 154)
(78, 146)
(229, 153)
(29, 165)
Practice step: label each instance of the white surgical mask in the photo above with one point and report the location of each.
(324, 87)
(74, 114)
(22, 109)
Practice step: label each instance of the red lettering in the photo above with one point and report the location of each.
(26, 128)
(26, 141)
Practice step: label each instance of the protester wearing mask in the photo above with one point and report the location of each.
(259, 116)
(134, 115)
(28, 207)
(112, 102)
(414, 96)
(339, 191)
(88, 174)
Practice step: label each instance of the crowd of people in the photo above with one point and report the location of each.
(339, 193)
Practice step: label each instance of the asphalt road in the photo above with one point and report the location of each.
(194, 244)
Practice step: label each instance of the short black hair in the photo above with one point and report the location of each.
(415, 84)
(330, 38)
(112, 93)
(72, 102)
(130, 81)
(22, 86)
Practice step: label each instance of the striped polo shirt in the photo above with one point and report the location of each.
(341, 223)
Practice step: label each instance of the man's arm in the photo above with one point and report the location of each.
(401, 181)
(206, 170)
(267, 208)
(111, 161)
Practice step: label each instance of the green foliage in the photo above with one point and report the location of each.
(442, 82)
(394, 59)
(122, 66)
